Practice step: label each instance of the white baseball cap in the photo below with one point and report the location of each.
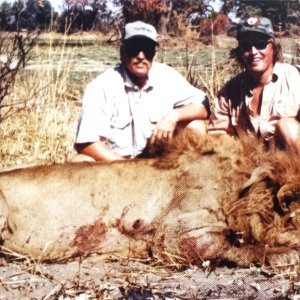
(140, 29)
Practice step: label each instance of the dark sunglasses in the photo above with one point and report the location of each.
(259, 45)
(134, 48)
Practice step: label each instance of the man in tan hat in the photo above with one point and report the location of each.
(136, 103)
(264, 99)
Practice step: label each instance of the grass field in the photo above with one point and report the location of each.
(40, 118)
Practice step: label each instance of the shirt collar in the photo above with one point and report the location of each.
(129, 84)
(276, 72)
(273, 79)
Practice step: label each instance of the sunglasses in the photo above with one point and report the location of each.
(259, 45)
(134, 48)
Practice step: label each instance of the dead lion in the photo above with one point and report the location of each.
(207, 198)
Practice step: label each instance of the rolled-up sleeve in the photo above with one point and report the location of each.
(185, 93)
(219, 120)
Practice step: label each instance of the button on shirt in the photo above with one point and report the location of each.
(115, 110)
(280, 99)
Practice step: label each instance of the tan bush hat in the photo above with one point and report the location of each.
(256, 24)
(140, 29)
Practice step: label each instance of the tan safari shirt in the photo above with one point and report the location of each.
(280, 99)
(116, 111)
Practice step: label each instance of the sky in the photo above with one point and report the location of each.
(216, 5)
(57, 4)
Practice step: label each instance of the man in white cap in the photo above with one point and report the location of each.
(264, 99)
(136, 103)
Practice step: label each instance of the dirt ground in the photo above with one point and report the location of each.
(141, 280)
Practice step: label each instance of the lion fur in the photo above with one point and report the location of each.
(206, 197)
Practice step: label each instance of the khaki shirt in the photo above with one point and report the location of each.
(116, 111)
(280, 99)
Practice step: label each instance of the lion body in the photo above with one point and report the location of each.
(191, 204)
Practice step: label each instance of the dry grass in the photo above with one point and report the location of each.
(38, 136)
(40, 116)
(78, 39)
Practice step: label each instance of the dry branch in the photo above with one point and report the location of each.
(14, 54)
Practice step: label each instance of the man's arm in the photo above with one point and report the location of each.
(165, 128)
(98, 151)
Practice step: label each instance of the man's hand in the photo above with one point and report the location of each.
(164, 129)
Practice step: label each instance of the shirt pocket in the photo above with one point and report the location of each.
(121, 132)
(121, 122)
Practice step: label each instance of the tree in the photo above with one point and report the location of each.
(80, 15)
(149, 11)
(185, 13)
(166, 15)
(17, 9)
(44, 13)
(282, 13)
(35, 15)
(5, 16)
(14, 56)
(30, 15)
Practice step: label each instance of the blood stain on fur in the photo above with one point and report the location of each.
(88, 237)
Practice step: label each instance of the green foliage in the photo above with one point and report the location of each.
(283, 13)
(188, 7)
(82, 15)
(165, 15)
(5, 8)
(168, 16)
(36, 15)
(30, 15)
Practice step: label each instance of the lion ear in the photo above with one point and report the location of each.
(258, 175)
